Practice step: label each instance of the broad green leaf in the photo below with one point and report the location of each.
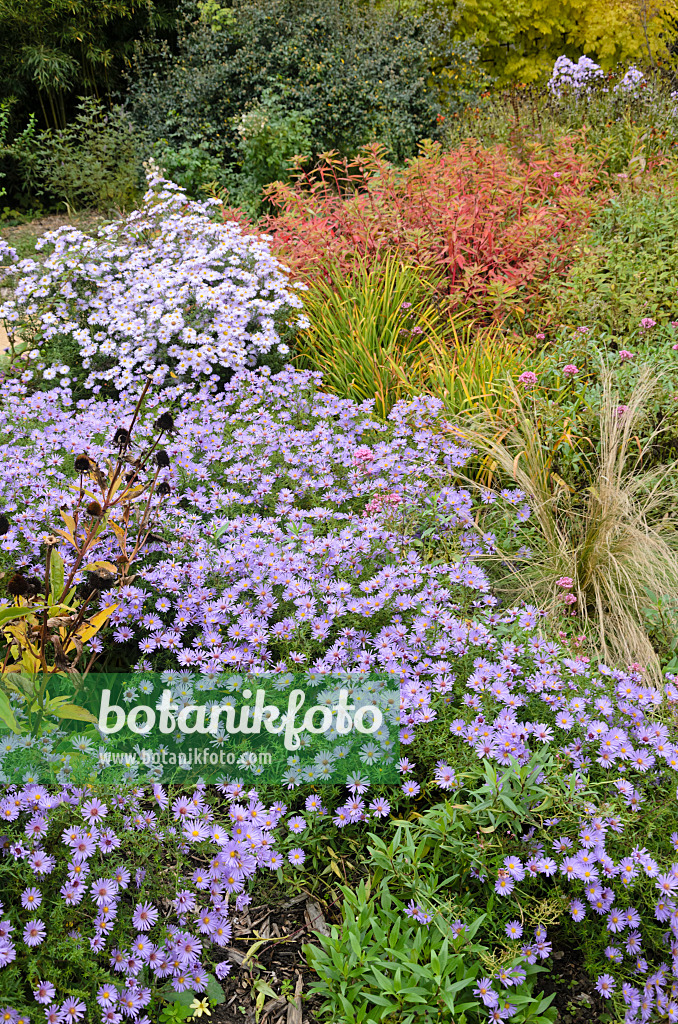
(7, 614)
(7, 714)
(56, 575)
(215, 992)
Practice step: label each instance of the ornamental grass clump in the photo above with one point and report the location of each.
(166, 290)
(369, 329)
(595, 554)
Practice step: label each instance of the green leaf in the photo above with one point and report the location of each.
(6, 614)
(215, 992)
(56, 575)
(7, 714)
(170, 996)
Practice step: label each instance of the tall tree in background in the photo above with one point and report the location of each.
(519, 41)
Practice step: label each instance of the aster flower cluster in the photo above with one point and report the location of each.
(273, 550)
(568, 78)
(632, 81)
(167, 288)
(606, 731)
(92, 876)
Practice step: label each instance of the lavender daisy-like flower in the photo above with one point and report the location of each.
(94, 810)
(485, 992)
(34, 932)
(44, 992)
(72, 1010)
(605, 985)
(31, 898)
(144, 917)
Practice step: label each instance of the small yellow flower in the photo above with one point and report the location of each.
(200, 1006)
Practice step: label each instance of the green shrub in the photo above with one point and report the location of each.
(626, 267)
(93, 162)
(191, 166)
(327, 74)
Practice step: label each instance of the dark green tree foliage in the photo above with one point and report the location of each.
(53, 51)
(324, 74)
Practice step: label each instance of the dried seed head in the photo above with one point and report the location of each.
(18, 585)
(121, 437)
(164, 423)
(4, 525)
(83, 463)
(100, 579)
(162, 458)
(93, 508)
(163, 489)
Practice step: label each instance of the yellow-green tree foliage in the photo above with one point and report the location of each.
(520, 39)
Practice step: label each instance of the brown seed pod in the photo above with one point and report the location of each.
(164, 423)
(100, 579)
(18, 585)
(93, 508)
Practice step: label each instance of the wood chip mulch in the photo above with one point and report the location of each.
(266, 946)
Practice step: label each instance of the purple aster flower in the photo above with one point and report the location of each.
(44, 992)
(605, 985)
(144, 917)
(485, 992)
(34, 932)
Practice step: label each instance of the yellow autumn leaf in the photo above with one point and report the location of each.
(74, 712)
(69, 521)
(91, 628)
(101, 565)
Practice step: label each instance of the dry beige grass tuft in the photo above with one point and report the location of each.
(614, 541)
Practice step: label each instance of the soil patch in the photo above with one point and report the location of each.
(267, 947)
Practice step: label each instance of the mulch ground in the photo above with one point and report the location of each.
(576, 999)
(266, 946)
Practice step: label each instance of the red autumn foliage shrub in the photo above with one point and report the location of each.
(494, 229)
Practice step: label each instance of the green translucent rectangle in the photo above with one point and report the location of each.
(178, 727)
